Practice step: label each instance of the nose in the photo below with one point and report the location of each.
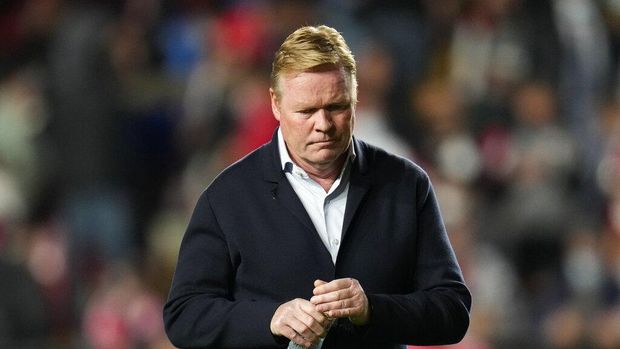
(323, 120)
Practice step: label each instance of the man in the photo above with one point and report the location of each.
(316, 238)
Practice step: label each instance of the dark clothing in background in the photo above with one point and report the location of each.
(23, 320)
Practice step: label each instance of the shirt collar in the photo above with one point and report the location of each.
(288, 164)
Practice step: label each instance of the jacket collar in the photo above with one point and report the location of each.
(360, 182)
(272, 164)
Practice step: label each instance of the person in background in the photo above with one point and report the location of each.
(317, 239)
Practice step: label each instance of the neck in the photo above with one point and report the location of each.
(326, 180)
(325, 176)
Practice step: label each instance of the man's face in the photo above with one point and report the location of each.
(316, 114)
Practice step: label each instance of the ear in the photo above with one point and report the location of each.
(274, 104)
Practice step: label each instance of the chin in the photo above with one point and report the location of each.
(325, 160)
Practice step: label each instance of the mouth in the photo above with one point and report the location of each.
(325, 142)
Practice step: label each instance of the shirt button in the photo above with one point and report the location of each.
(336, 242)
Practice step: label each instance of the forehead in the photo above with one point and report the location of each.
(321, 84)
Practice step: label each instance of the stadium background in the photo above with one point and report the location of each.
(114, 115)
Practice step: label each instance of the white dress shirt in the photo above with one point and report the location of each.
(326, 209)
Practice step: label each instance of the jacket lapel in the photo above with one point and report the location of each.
(282, 189)
(290, 200)
(359, 184)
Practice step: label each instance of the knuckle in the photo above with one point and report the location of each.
(307, 320)
(305, 332)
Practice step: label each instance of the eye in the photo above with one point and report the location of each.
(307, 112)
(337, 107)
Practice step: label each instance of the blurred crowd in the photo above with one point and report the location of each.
(115, 115)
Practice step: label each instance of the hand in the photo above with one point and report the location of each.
(299, 321)
(341, 298)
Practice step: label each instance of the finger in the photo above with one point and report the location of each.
(353, 306)
(314, 321)
(299, 318)
(348, 308)
(331, 286)
(315, 317)
(319, 282)
(330, 297)
(303, 330)
(300, 340)
(336, 290)
(326, 308)
(297, 338)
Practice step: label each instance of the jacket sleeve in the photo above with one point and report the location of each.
(200, 311)
(437, 311)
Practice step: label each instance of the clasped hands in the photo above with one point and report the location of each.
(306, 322)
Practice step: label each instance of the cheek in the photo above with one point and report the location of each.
(297, 137)
(346, 125)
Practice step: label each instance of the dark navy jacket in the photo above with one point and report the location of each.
(250, 246)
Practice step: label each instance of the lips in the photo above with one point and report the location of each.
(329, 141)
(324, 144)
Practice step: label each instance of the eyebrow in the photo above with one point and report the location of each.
(302, 105)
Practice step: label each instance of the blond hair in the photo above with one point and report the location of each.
(309, 48)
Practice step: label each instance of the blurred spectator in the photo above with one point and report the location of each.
(232, 44)
(585, 70)
(25, 320)
(496, 45)
(400, 27)
(538, 207)
(148, 110)
(85, 131)
(537, 203)
(372, 124)
(489, 53)
(46, 256)
(609, 182)
(497, 317)
(254, 121)
(445, 142)
(23, 317)
(123, 313)
(23, 116)
(608, 170)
